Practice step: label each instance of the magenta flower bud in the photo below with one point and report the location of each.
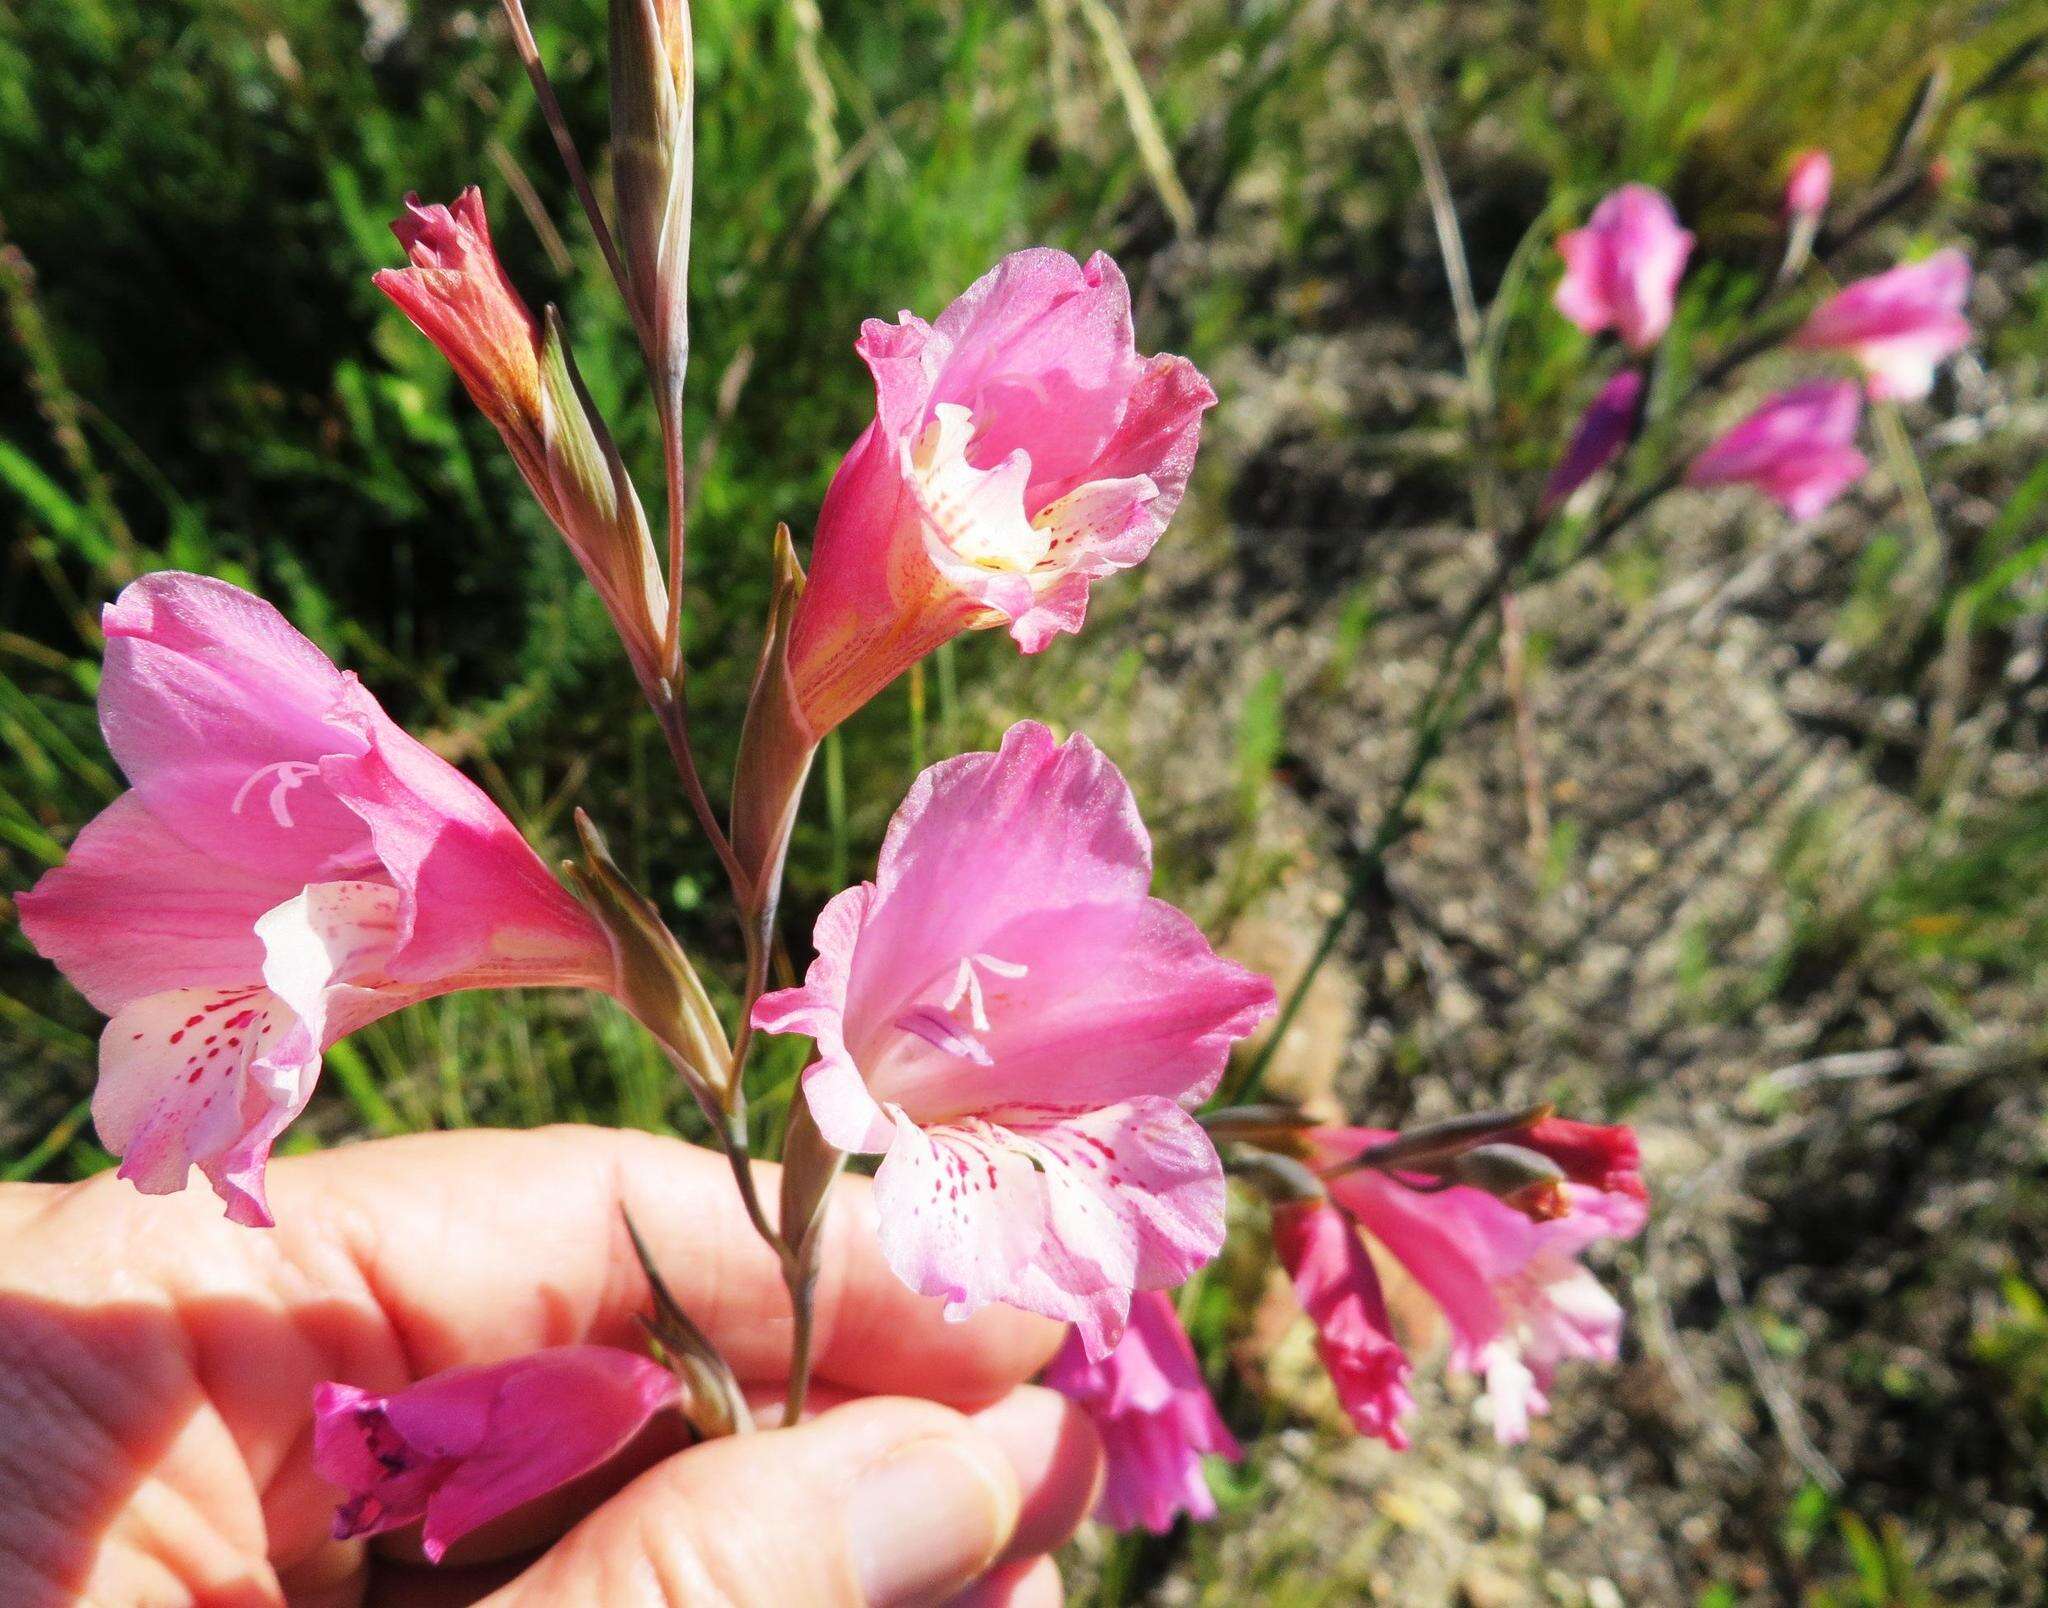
(1899, 325)
(1021, 450)
(1607, 426)
(288, 867)
(1807, 190)
(1795, 449)
(1155, 1415)
(459, 295)
(464, 1447)
(1021, 1031)
(1340, 1291)
(1621, 271)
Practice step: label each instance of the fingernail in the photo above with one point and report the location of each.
(927, 1519)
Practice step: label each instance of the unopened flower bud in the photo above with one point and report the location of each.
(1532, 1184)
(776, 744)
(712, 1400)
(653, 100)
(1807, 190)
(1806, 198)
(454, 288)
(1605, 429)
(1281, 1179)
(1429, 1147)
(595, 505)
(656, 983)
(522, 377)
(1271, 1126)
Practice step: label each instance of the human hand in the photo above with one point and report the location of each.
(157, 1366)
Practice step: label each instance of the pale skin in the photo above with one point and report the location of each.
(157, 1366)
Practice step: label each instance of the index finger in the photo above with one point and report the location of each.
(484, 1244)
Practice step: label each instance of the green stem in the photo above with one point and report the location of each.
(835, 810)
(917, 746)
(949, 698)
(803, 1327)
(1432, 728)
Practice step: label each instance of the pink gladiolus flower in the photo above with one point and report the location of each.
(1155, 1415)
(1795, 448)
(1607, 426)
(1898, 325)
(1806, 191)
(287, 867)
(1021, 449)
(464, 1447)
(1340, 1291)
(1516, 1297)
(1621, 271)
(1008, 1016)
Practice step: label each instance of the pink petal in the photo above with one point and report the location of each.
(1155, 1415)
(1155, 440)
(1340, 1291)
(982, 840)
(1581, 294)
(134, 911)
(219, 713)
(1900, 301)
(196, 1077)
(1062, 1215)
(1041, 347)
(209, 1077)
(1446, 1240)
(846, 1113)
(904, 359)
(1115, 1001)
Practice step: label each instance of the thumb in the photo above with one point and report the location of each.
(882, 1503)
